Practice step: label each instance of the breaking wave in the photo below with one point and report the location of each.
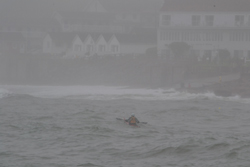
(4, 93)
(113, 93)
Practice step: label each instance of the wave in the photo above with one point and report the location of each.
(4, 93)
(89, 165)
(112, 93)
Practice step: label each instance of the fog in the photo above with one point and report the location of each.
(144, 43)
(73, 71)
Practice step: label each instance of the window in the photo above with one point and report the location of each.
(196, 19)
(209, 20)
(89, 48)
(77, 48)
(166, 20)
(238, 36)
(239, 20)
(114, 48)
(101, 48)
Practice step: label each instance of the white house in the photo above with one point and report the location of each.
(206, 25)
(77, 48)
(89, 45)
(101, 46)
(85, 45)
(114, 46)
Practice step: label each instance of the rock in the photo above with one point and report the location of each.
(223, 93)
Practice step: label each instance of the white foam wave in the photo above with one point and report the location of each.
(4, 92)
(110, 93)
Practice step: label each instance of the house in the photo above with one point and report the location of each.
(89, 44)
(114, 46)
(79, 44)
(83, 45)
(77, 47)
(135, 43)
(101, 45)
(33, 29)
(205, 25)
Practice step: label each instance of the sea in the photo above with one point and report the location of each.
(76, 126)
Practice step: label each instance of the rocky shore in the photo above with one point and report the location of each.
(240, 87)
(236, 85)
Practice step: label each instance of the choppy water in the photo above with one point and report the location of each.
(77, 126)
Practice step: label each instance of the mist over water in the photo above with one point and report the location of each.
(141, 49)
(57, 126)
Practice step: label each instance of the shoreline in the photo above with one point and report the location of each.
(235, 87)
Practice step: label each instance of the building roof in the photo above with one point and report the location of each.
(107, 36)
(145, 37)
(134, 37)
(95, 36)
(83, 36)
(206, 6)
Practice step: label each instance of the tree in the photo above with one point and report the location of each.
(180, 63)
(179, 49)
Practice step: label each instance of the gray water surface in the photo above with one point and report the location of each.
(64, 132)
